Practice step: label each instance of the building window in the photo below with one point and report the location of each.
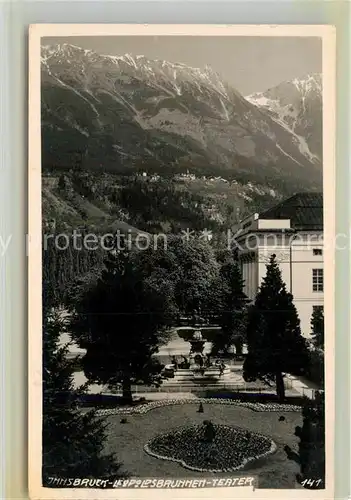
(317, 251)
(318, 309)
(318, 280)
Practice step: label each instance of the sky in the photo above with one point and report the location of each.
(250, 64)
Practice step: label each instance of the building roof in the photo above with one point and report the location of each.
(305, 211)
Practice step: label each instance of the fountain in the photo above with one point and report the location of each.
(196, 350)
(198, 367)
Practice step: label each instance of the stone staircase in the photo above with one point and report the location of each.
(187, 378)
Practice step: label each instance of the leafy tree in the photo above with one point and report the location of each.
(275, 343)
(196, 281)
(121, 319)
(232, 311)
(317, 327)
(191, 268)
(73, 441)
(311, 452)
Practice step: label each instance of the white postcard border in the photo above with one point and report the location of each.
(327, 33)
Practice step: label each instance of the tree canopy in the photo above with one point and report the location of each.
(232, 310)
(196, 286)
(192, 269)
(121, 319)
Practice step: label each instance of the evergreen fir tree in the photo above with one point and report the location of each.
(316, 367)
(63, 267)
(317, 327)
(73, 441)
(121, 319)
(201, 408)
(316, 372)
(311, 452)
(275, 343)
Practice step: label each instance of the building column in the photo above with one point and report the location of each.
(249, 273)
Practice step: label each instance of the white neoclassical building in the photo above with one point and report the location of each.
(293, 231)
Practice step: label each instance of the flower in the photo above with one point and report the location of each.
(145, 407)
(229, 451)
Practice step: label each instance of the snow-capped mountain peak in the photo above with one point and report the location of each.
(128, 110)
(311, 83)
(297, 106)
(158, 71)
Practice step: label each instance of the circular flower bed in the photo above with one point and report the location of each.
(230, 449)
(145, 407)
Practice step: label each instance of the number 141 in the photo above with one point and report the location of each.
(311, 482)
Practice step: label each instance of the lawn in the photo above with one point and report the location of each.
(128, 440)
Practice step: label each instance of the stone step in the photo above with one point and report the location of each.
(193, 381)
(195, 385)
(185, 374)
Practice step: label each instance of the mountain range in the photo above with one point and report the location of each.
(122, 114)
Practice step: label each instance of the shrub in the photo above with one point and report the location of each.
(210, 431)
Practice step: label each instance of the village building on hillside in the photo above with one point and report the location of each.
(293, 231)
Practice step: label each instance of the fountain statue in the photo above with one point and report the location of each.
(197, 342)
(197, 366)
(197, 358)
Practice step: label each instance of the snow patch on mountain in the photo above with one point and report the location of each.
(287, 154)
(289, 103)
(156, 70)
(301, 142)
